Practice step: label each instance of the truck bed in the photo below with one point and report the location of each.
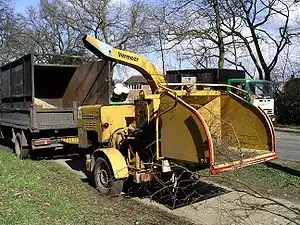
(37, 96)
(54, 119)
(31, 95)
(42, 119)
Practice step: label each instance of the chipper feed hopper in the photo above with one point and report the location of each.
(197, 126)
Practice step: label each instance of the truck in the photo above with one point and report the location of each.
(38, 103)
(259, 91)
(170, 132)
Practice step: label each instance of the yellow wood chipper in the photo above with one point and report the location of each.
(160, 134)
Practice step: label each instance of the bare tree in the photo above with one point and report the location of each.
(198, 32)
(234, 29)
(124, 25)
(5, 16)
(57, 26)
(255, 16)
(9, 23)
(48, 32)
(39, 31)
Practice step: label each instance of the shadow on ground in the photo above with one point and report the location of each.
(187, 192)
(283, 169)
(7, 144)
(75, 161)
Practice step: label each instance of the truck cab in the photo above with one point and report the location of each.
(259, 91)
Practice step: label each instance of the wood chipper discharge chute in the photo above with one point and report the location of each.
(206, 126)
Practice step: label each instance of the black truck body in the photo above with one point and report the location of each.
(23, 85)
(211, 75)
(39, 101)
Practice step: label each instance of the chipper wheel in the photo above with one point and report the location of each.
(104, 180)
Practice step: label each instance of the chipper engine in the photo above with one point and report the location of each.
(160, 134)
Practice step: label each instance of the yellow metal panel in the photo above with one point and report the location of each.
(245, 133)
(153, 102)
(211, 113)
(94, 116)
(138, 62)
(117, 162)
(182, 135)
(90, 110)
(205, 92)
(117, 116)
(247, 122)
(89, 117)
(239, 131)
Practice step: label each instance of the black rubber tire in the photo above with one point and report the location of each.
(33, 154)
(21, 153)
(107, 185)
(24, 153)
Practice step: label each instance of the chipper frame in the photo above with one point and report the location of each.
(197, 126)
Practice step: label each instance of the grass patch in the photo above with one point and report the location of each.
(41, 192)
(277, 178)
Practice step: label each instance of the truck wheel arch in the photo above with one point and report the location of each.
(116, 160)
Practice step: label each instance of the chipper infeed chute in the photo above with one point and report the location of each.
(215, 128)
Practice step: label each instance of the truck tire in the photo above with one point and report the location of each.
(20, 152)
(33, 154)
(104, 180)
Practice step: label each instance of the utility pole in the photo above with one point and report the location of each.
(162, 51)
(234, 50)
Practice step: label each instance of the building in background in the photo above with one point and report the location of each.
(135, 85)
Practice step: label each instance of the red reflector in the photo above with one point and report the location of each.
(42, 142)
(146, 177)
(254, 96)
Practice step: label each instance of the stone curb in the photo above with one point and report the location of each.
(290, 130)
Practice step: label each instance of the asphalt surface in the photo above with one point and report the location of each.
(288, 145)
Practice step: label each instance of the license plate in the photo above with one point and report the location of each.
(70, 140)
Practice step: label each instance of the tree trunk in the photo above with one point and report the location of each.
(267, 74)
(219, 34)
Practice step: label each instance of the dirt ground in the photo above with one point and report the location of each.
(225, 207)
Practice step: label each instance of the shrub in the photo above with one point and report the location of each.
(287, 103)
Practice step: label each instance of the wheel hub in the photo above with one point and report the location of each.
(103, 177)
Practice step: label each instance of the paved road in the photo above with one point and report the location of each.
(288, 145)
